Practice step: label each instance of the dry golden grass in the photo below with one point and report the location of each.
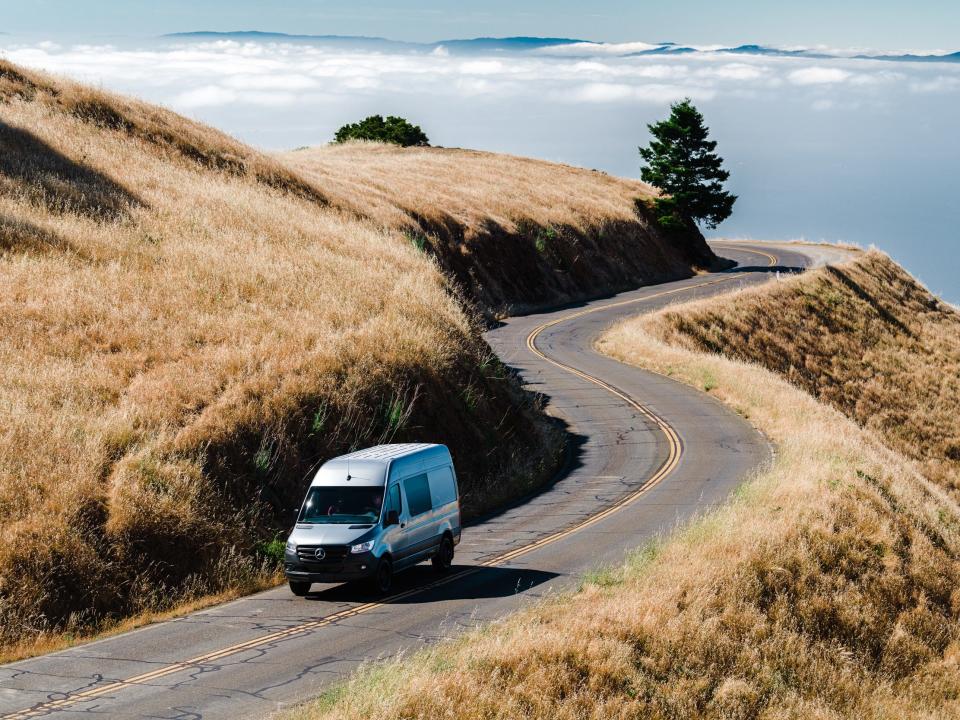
(186, 329)
(160, 130)
(159, 324)
(828, 588)
(473, 189)
(266, 577)
(564, 231)
(864, 337)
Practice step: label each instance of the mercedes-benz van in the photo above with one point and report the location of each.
(374, 512)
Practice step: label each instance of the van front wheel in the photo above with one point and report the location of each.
(383, 577)
(299, 588)
(444, 557)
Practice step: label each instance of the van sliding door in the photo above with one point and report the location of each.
(419, 530)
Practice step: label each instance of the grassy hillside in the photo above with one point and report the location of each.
(187, 328)
(864, 337)
(828, 588)
(513, 232)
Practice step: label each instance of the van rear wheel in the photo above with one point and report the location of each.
(443, 560)
(299, 588)
(383, 577)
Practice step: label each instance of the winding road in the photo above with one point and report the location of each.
(648, 454)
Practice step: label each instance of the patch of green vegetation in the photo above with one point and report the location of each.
(319, 419)
(545, 236)
(262, 459)
(271, 549)
(328, 698)
(640, 558)
(744, 492)
(438, 663)
(470, 397)
(396, 415)
(491, 367)
(709, 381)
(603, 577)
(418, 240)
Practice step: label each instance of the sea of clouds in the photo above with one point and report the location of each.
(189, 76)
(837, 148)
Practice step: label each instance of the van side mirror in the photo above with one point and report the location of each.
(393, 518)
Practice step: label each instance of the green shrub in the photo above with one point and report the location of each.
(272, 549)
(394, 130)
(419, 241)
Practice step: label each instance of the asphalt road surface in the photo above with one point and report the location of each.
(648, 454)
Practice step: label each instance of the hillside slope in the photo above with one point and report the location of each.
(828, 588)
(513, 232)
(187, 328)
(864, 337)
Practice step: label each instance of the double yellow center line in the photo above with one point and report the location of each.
(675, 451)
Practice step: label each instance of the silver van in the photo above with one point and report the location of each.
(374, 512)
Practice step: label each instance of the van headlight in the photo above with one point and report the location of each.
(291, 546)
(362, 547)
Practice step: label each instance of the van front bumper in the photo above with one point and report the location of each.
(352, 567)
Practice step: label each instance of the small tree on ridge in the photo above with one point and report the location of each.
(682, 163)
(394, 130)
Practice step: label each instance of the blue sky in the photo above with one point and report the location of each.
(881, 24)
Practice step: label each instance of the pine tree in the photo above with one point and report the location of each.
(682, 163)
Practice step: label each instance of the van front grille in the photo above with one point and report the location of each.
(332, 554)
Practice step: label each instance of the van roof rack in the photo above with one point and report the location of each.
(387, 452)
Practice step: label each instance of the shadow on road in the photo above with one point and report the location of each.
(480, 583)
(786, 269)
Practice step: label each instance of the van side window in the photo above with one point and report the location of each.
(443, 488)
(393, 500)
(418, 494)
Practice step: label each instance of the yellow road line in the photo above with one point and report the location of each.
(669, 464)
(771, 259)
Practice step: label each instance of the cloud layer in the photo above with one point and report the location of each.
(836, 148)
(227, 73)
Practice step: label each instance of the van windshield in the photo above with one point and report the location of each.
(342, 505)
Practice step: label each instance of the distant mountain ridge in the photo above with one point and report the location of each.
(266, 35)
(544, 45)
(466, 45)
(262, 36)
(910, 57)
